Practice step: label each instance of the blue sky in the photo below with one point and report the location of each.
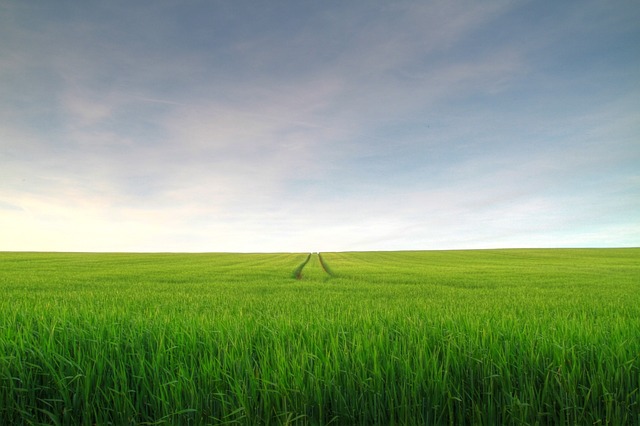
(330, 126)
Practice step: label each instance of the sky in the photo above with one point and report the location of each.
(295, 126)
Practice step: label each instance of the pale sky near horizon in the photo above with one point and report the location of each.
(248, 126)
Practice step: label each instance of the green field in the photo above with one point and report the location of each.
(441, 337)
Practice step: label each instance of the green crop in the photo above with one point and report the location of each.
(444, 337)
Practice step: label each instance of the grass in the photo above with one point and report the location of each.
(459, 337)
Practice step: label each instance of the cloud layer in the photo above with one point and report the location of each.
(215, 126)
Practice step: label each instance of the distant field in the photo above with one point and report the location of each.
(440, 337)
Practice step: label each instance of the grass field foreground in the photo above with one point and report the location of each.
(445, 337)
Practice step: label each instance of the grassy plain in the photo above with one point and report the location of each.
(450, 337)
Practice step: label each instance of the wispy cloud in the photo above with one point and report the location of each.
(247, 127)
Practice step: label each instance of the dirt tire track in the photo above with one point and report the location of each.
(324, 266)
(297, 273)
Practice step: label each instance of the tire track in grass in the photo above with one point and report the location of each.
(297, 273)
(318, 267)
(324, 265)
